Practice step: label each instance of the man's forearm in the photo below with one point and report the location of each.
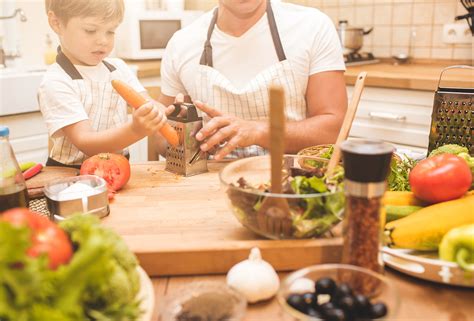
(316, 130)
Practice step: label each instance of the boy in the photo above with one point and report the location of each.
(83, 113)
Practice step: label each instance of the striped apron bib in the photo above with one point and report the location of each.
(102, 104)
(252, 101)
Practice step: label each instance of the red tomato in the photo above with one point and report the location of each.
(440, 178)
(114, 168)
(46, 237)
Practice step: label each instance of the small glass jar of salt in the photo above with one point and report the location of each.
(80, 194)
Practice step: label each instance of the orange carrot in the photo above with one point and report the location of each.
(134, 99)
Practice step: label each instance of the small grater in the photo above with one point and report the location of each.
(187, 158)
(452, 119)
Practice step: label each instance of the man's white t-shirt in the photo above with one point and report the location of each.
(308, 37)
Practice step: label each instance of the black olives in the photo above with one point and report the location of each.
(347, 303)
(310, 299)
(327, 306)
(313, 313)
(342, 290)
(378, 310)
(335, 315)
(344, 305)
(362, 305)
(325, 286)
(296, 301)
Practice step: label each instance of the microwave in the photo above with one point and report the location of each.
(145, 34)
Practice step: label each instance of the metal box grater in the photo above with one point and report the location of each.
(452, 119)
(187, 158)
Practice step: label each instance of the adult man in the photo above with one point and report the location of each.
(226, 60)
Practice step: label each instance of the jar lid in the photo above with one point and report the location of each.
(366, 161)
(4, 131)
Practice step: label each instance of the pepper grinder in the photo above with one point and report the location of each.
(366, 167)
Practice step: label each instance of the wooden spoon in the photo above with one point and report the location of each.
(347, 123)
(274, 213)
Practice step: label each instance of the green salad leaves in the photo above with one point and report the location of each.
(100, 282)
(320, 213)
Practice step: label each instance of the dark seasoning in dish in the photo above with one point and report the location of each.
(205, 301)
(206, 307)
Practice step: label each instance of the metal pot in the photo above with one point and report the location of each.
(352, 39)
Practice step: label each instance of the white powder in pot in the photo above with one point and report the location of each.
(76, 191)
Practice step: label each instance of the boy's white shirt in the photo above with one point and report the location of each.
(61, 101)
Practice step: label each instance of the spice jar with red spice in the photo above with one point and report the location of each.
(366, 167)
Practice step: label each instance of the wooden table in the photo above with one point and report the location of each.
(420, 300)
(183, 226)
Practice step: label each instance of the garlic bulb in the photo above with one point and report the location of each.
(255, 278)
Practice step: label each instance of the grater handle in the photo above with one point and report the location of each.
(453, 67)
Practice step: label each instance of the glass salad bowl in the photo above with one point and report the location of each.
(310, 205)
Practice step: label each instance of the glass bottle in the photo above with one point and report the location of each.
(50, 53)
(13, 192)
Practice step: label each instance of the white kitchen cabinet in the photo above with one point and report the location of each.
(28, 136)
(401, 117)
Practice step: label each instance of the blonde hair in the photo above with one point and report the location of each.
(67, 9)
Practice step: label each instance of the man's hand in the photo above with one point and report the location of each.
(232, 131)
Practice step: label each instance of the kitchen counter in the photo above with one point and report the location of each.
(418, 75)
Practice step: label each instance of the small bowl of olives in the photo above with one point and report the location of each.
(338, 292)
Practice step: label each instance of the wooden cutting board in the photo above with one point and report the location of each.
(182, 225)
(36, 184)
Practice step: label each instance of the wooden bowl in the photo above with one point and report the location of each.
(316, 151)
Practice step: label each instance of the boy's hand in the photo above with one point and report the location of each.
(148, 119)
(178, 99)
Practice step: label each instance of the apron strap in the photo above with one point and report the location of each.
(67, 65)
(69, 68)
(109, 66)
(275, 34)
(206, 56)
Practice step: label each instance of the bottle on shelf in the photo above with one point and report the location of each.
(50, 53)
(13, 191)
